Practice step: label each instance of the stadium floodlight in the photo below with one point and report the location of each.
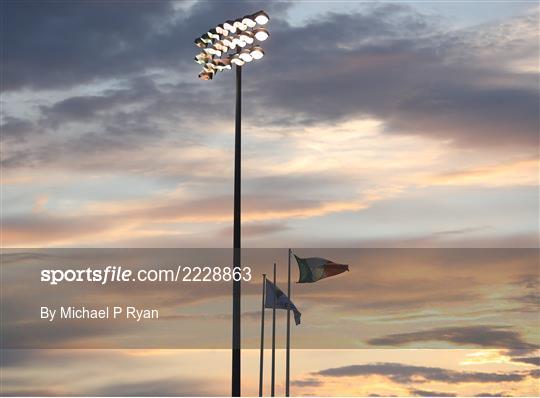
(261, 17)
(245, 56)
(257, 52)
(246, 37)
(239, 25)
(235, 42)
(199, 43)
(236, 60)
(213, 34)
(212, 51)
(206, 39)
(239, 42)
(241, 35)
(229, 25)
(228, 42)
(221, 47)
(249, 21)
(221, 30)
(261, 34)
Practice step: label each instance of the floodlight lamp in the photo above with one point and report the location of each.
(208, 67)
(222, 64)
(221, 30)
(227, 42)
(206, 75)
(245, 56)
(240, 35)
(212, 51)
(239, 42)
(257, 52)
(261, 17)
(199, 61)
(249, 21)
(212, 33)
(238, 24)
(221, 47)
(229, 25)
(237, 60)
(203, 57)
(247, 37)
(199, 43)
(261, 34)
(206, 39)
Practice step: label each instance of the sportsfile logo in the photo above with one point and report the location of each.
(113, 273)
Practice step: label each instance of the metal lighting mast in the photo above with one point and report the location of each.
(233, 43)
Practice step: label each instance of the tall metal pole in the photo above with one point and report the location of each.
(261, 355)
(274, 296)
(288, 350)
(236, 341)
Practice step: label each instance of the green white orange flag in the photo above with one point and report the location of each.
(275, 295)
(313, 269)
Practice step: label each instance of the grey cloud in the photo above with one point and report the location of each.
(535, 373)
(483, 336)
(426, 393)
(406, 374)
(16, 129)
(59, 44)
(528, 360)
(402, 72)
(160, 388)
(310, 382)
(462, 231)
(84, 108)
(528, 298)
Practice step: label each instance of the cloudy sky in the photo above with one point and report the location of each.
(367, 124)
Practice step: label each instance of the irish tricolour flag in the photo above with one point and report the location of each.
(313, 269)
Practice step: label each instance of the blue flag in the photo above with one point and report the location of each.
(274, 294)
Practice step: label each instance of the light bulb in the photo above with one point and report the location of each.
(206, 75)
(261, 34)
(246, 56)
(238, 42)
(212, 33)
(257, 52)
(249, 21)
(199, 43)
(229, 25)
(261, 17)
(247, 37)
(237, 60)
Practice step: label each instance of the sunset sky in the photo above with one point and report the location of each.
(366, 125)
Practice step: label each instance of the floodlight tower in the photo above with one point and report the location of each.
(234, 43)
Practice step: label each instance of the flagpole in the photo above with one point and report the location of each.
(261, 361)
(288, 351)
(273, 384)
